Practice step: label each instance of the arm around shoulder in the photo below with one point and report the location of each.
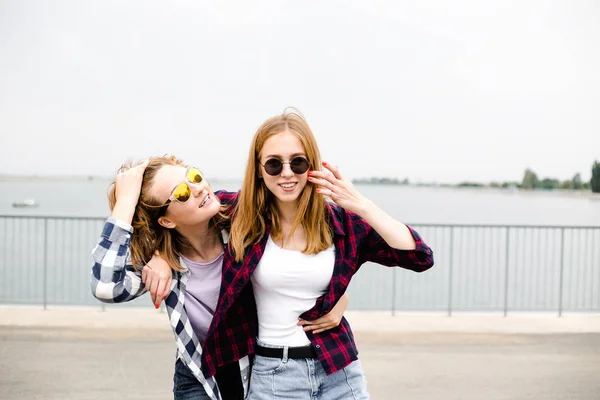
(113, 278)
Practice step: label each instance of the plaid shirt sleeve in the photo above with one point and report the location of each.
(374, 248)
(356, 243)
(113, 278)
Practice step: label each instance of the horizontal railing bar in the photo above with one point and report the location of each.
(59, 217)
(504, 226)
(431, 225)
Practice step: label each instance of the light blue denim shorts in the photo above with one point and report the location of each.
(304, 378)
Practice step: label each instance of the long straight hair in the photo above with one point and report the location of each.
(148, 235)
(256, 204)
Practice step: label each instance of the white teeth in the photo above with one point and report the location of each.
(204, 202)
(287, 185)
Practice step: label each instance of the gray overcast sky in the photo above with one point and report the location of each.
(431, 90)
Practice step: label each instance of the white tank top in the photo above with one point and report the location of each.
(287, 283)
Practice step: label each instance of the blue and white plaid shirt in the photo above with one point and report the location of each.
(115, 281)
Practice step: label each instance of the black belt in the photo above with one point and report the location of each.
(293, 352)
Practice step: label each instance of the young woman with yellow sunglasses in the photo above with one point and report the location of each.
(164, 205)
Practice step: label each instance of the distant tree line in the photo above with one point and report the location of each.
(530, 181)
(382, 181)
(595, 181)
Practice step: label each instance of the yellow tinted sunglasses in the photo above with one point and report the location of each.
(183, 191)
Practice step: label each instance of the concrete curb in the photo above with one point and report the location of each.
(361, 321)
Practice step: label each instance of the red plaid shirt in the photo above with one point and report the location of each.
(234, 327)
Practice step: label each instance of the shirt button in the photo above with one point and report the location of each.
(318, 346)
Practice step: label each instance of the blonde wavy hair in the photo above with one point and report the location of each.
(148, 235)
(256, 206)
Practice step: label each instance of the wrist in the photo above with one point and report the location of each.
(365, 208)
(127, 201)
(123, 212)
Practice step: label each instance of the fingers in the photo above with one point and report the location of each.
(158, 279)
(334, 169)
(322, 183)
(145, 273)
(161, 292)
(151, 281)
(326, 192)
(149, 277)
(167, 289)
(134, 170)
(318, 327)
(309, 328)
(158, 287)
(154, 292)
(128, 183)
(323, 321)
(153, 297)
(132, 174)
(324, 176)
(326, 180)
(140, 168)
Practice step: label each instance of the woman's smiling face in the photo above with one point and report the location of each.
(287, 185)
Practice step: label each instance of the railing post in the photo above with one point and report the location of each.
(45, 272)
(507, 253)
(451, 267)
(394, 292)
(562, 268)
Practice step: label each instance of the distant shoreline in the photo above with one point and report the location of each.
(64, 178)
(61, 178)
(362, 182)
(478, 189)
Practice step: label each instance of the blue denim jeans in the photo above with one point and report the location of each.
(187, 387)
(304, 378)
(185, 384)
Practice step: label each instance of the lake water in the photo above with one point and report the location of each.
(476, 268)
(406, 203)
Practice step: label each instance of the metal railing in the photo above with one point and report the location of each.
(46, 260)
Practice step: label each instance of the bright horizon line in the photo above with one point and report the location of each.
(21, 178)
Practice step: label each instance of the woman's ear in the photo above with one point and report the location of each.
(166, 222)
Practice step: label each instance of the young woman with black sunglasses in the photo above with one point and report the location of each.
(297, 252)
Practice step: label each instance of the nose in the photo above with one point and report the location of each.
(199, 189)
(287, 172)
